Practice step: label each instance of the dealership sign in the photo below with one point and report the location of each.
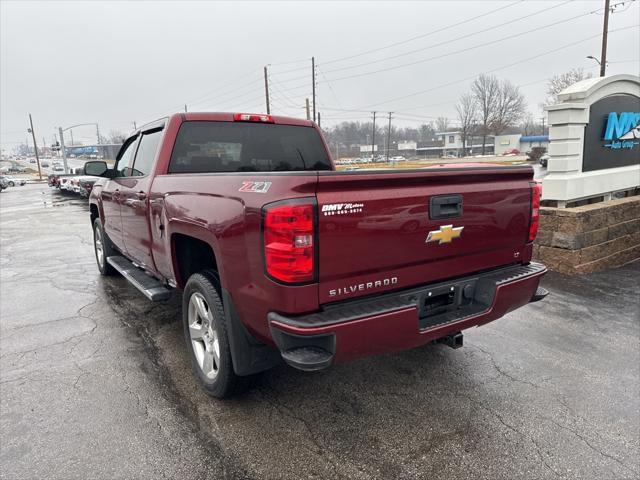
(612, 136)
(622, 130)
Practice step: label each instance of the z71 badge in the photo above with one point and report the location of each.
(255, 187)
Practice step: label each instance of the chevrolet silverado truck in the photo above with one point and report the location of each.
(278, 256)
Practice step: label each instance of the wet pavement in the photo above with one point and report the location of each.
(95, 383)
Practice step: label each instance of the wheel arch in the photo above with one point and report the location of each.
(193, 250)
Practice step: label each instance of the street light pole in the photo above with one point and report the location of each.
(35, 147)
(63, 150)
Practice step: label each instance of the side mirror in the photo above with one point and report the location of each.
(96, 168)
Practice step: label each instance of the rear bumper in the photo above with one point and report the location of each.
(402, 320)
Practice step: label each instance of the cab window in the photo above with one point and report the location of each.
(146, 153)
(123, 168)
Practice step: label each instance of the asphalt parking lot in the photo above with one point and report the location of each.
(95, 383)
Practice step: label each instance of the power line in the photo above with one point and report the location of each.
(223, 87)
(518, 62)
(463, 50)
(222, 97)
(290, 62)
(433, 32)
(330, 87)
(277, 90)
(446, 42)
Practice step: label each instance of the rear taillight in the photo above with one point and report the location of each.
(252, 117)
(289, 243)
(536, 193)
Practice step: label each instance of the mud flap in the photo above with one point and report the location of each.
(248, 355)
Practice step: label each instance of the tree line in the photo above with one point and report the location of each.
(492, 106)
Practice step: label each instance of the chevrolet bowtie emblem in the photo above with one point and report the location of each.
(445, 234)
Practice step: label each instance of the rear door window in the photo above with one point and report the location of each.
(205, 146)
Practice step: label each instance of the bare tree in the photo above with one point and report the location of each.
(557, 83)
(442, 124)
(509, 108)
(527, 125)
(486, 90)
(426, 132)
(467, 109)
(116, 136)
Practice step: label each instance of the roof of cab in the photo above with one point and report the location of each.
(228, 117)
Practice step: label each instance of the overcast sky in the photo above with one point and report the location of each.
(117, 62)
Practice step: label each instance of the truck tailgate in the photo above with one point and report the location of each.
(373, 227)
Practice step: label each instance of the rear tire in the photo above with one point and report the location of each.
(205, 333)
(103, 249)
(11, 184)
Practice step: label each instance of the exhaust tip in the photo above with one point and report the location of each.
(454, 341)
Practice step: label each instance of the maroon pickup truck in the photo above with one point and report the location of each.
(280, 257)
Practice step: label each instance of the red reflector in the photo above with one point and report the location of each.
(536, 193)
(289, 249)
(252, 117)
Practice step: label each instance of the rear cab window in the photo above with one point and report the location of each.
(212, 146)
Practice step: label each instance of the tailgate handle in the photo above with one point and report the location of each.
(445, 206)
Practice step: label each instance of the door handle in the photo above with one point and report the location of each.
(445, 206)
(141, 195)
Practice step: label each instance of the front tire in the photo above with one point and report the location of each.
(102, 248)
(205, 332)
(11, 184)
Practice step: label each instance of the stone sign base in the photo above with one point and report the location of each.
(589, 238)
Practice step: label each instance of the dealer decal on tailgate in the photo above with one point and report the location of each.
(341, 208)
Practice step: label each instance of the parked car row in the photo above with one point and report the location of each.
(75, 182)
(6, 182)
(376, 159)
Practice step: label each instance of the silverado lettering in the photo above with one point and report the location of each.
(285, 275)
(361, 287)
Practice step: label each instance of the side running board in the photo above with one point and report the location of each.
(149, 286)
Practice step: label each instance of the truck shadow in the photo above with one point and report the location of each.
(348, 409)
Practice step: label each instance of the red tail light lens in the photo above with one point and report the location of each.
(289, 244)
(536, 193)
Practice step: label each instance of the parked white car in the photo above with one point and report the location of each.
(13, 181)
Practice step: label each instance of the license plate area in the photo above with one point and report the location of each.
(449, 302)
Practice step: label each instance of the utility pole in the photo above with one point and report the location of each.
(185, 108)
(35, 147)
(319, 122)
(543, 119)
(135, 127)
(373, 136)
(71, 133)
(389, 136)
(605, 32)
(266, 90)
(63, 150)
(313, 85)
(98, 133)
(306, 101)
